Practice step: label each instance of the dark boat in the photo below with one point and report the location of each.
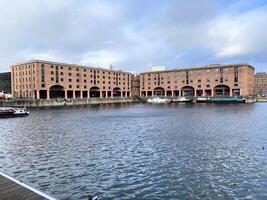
(13, 112)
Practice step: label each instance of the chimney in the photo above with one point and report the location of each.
(110, 67)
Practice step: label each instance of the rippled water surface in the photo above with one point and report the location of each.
(140, 151)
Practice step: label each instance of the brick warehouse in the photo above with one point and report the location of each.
(211, 80)
(37, 79)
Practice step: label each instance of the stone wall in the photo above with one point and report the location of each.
(40, 103)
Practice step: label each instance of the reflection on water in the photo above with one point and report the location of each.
(136, 151)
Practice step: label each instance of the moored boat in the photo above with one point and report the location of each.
(226, 100)
(157, 100)
(182, 100)
(7, 112)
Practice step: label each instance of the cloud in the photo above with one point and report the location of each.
(131, 35)
(240, 35)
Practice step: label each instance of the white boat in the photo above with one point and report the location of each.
(157, 100)
(182, 100)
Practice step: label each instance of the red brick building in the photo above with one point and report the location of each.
(37, 79)
(211, 80)
(261, 83)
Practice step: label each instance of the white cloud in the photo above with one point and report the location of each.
(239, 35)
(132, 35)
(101, 58)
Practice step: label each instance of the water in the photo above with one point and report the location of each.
(140, 151)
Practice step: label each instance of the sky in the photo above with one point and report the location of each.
(134, 35)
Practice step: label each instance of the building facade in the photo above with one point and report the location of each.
(37, 79)
(136, 85)
(261, 83)
(5, 82)
(211, 80)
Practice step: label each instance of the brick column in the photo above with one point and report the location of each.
(66, 94)
(48, 95)
(37, 94)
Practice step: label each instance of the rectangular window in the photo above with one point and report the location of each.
(42, 73)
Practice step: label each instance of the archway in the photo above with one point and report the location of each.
(94, 92)
(159, 91)
(116, 92)
(56, 91)
(188, 91)
(221, 90)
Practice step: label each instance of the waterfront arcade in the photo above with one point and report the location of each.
(211, 80)
(37, 79)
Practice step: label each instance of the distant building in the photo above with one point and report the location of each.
(211, 80)
(37, 79)
(5, 82)
(261, 83)
(157, 68)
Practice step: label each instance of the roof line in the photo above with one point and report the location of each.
(66, 64)
(199, 68)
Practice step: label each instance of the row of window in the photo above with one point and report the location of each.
(84, 75)
(187, 81)
(25, 86)
(25, 67)
(85, 81)
(85, 70)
